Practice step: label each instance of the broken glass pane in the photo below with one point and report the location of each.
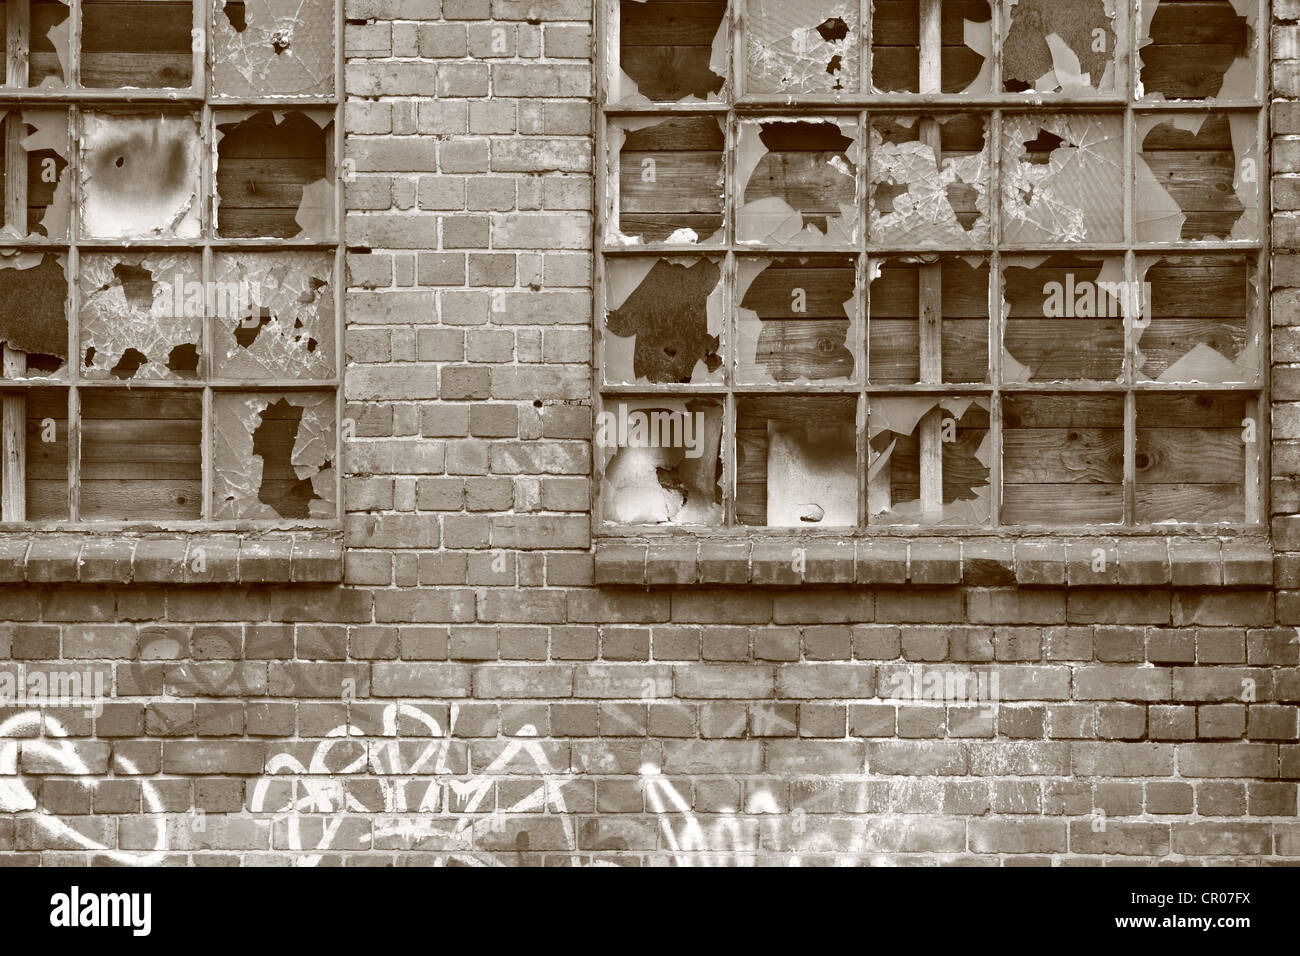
(275, 174)
(33, 308)
(141, 315)
(44, 138)
(50, 38)
(121, 50)
(670, 51)
(1197, 177)
(1197, 324)
(668, 177)
(1198, 49)
(273, 47)
(663, 320)
(1063, 178)
(1074, 47)
(141, 454)
(895, 305)
(908, 437)
(1064, 318)
(47, 454)
(273, 455)
(795, 319)
(274, 315)
(966, 59)
(1191, 458)
(1062, 459)
(798, 182)
(140, 175)
(929, 181)
(809, 47)
(797, 461)
(662, 461)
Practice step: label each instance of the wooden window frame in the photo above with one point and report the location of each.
(199, 98)
(737, 105)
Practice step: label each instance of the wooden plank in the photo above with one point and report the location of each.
(13, 417)
(1070, 504)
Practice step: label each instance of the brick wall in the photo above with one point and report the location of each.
(1146, 715)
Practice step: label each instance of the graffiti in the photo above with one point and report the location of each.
(24, 731)
(318, 803)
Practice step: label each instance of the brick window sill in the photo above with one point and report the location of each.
(786, 561)
(174, 559)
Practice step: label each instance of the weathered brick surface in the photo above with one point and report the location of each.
(939, 699)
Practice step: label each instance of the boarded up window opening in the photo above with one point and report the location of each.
(670, 51)
(974, 308)
(169, 335)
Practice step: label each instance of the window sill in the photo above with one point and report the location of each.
(1148, 561)
(199, 558)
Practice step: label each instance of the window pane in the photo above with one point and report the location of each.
(668, 174)
(1191, 457)
(895, 307)
(810, 47)
(796, 319)
(1198, 49)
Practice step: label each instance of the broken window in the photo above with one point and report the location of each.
(273, 48)
(947, 262)
(273, 455)
(1197, 177)
(168, 270)
(662, 462)
(663, 321)
(140, 176)
(1071, 47)
(796, 319)
(797, 182)
(275, 174)
(669, 51)
(666, 180)
(141, 315)
(929, 181)
(1064, 318)
(1198, 49)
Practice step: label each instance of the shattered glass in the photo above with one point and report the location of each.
(141, 315)
(33, 308)
(1064, 318)
(1075, 47)
(140, 176)
(895, 440)
(1062, 459)
(1062, 178)
(1196, 325)
(917, 200)
(662, 462)
(966, 58)
(670, 52)
(274, 455)
(895, 332)
(1191, 462)
(119, 51)
(273, 48)
(663, 320)
(1197, 177)
(810, 47)
(1198, 49)
(795, 319)
(49, 205)
(278, 318)
(797, 461)
(667, 176)
(798, 182)
(51, 44)
(274, 174)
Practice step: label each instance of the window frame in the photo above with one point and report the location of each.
(735, 105)
(202, 99)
